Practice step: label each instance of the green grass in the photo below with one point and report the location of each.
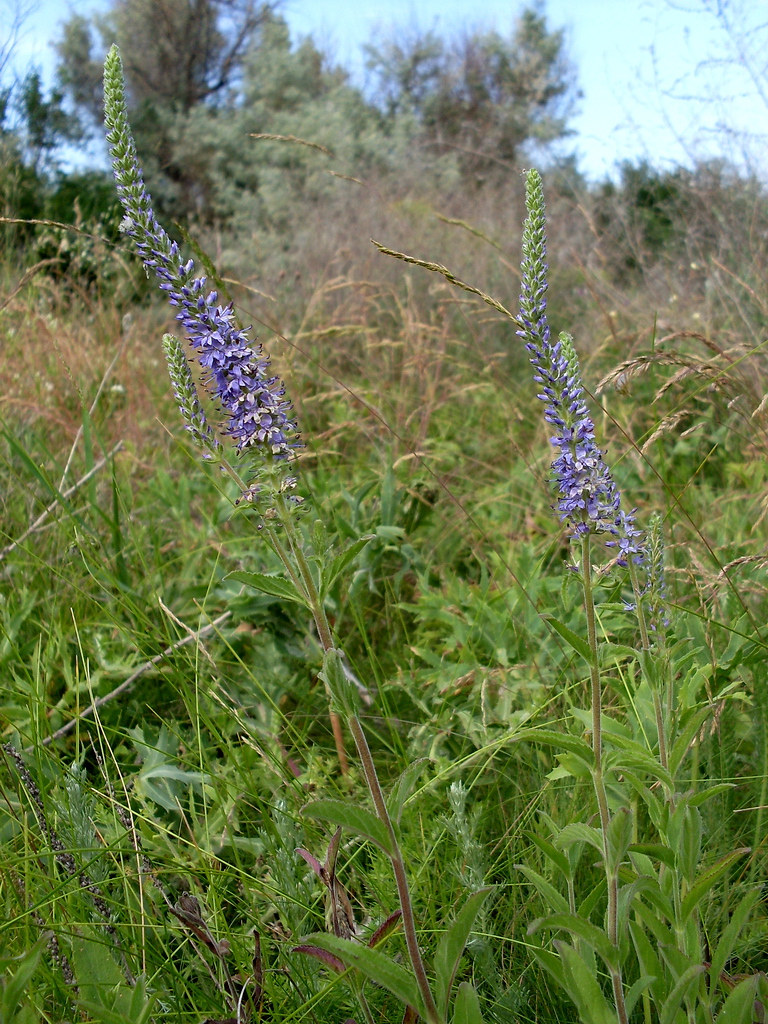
(194, 780)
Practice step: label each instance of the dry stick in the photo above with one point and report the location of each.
(123, 687)
(66, 494)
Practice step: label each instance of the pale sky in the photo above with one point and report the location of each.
(644, 66)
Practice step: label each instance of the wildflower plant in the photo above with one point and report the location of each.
(256, 443)
(636, 944)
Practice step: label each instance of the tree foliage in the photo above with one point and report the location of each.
(483, 95)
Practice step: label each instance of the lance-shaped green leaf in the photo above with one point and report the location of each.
(545, 889)
(655, 851)
(619, 837)
(578, 832)
(573, 640)
(706, 880)
(636, 991)
(403, 787)
(685, 738)
(649, 962)
(725, 947)
(706, 794)
(374, 964)
(356, 819)
(451, 946)
(562, 740)
(275, 586)
(466, 1009)
(583, 988)
(687, 980)
(332, 572)
(739, 1007)
(559, 859)
(582, 929)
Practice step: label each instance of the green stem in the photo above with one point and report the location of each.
(611, 873)
(644, 638)
(325, 634)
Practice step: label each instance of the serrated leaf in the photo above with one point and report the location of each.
(705, 881)
(403, 787)
(341, 561)
(356, 819)
(374, 964)
(451, 946)
(275, 586)
(466, 1009)
(577, 643)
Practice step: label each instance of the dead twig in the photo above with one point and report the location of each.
(129, 682)
(64, 495)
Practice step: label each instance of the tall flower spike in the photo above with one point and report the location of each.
(236, 372)
(186, 396)
(588, 500)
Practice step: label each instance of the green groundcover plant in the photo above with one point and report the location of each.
(635, 947)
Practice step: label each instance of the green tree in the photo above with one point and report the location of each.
(482, 95)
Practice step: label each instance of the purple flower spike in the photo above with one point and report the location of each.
(236, 371)
(588, 498)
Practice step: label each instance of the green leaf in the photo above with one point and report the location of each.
(374, 964)
(332, 572)
(655, 851)
(648, 961)
(356, 819)
(451, 946)
(739, 1007)
(466, 1009)
(619, 837)
(577, 832)
(275, 586)
(15, 987)
(403, 787)
(687, 980)
(616, 651)
(705, 881)
(576, 642)
(582, 929)
(556, 900)
(559, 859)
(636, 991)
(563, 740)
(725, 947)
(685, 738)
(584, 988)
(706, 794)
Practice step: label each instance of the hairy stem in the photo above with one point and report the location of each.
(305, 584)
(406, 905)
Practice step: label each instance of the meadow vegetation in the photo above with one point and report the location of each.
(148, 865)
